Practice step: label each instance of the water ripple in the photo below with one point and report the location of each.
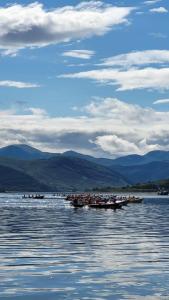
(49, 250)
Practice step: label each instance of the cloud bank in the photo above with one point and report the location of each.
(148, 78)
(108, 127)
(32, 25)
(147, 69)
(137, 58)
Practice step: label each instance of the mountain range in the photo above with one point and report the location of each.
(23, 167)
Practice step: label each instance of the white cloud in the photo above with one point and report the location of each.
(32, 25)
(151, 2)
(108, 127)
(9, 52)
(161, 101)
(111, 107)
(147, 78)
(131, 71)
(37, 111)
(160, 10)
(158, 35)
(115, 144)
(18, 84)
(138, 58)
(82, 54)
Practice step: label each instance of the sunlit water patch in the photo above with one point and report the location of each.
(48, 250)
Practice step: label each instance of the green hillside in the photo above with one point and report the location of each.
(60, 173)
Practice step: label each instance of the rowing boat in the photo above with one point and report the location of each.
(108, 205)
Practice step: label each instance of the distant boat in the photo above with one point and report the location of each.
(33, 197)
(135, 199)
(163, 193)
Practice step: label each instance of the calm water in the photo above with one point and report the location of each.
(50, 251)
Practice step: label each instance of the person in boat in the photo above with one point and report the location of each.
(75, 201)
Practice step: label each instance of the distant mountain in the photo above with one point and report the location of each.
(14, 180)
(74, 171)
(69, 172)
(25, 152)
(135, 159)
(22, 151)
(135, 168)
(152, 171)
(129, 160)
(100, 161)
(61, 173)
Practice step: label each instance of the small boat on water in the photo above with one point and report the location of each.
(101, 200)
(105, 205)
(123, 202)
(77, 203)
(134, 199)
(96, 201)
(163, 193)
(33, 196)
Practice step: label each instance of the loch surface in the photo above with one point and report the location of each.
(50, 251)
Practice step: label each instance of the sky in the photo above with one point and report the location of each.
(90, 76)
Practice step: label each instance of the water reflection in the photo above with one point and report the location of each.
(50, 251)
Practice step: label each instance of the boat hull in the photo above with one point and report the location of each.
(135, 201)
(105, 205)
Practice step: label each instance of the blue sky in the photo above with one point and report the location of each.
(89, 76)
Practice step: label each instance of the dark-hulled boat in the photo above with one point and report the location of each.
(163, 193)
(101, 201)
(33, 197)
(104, 205)
(77, 205)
